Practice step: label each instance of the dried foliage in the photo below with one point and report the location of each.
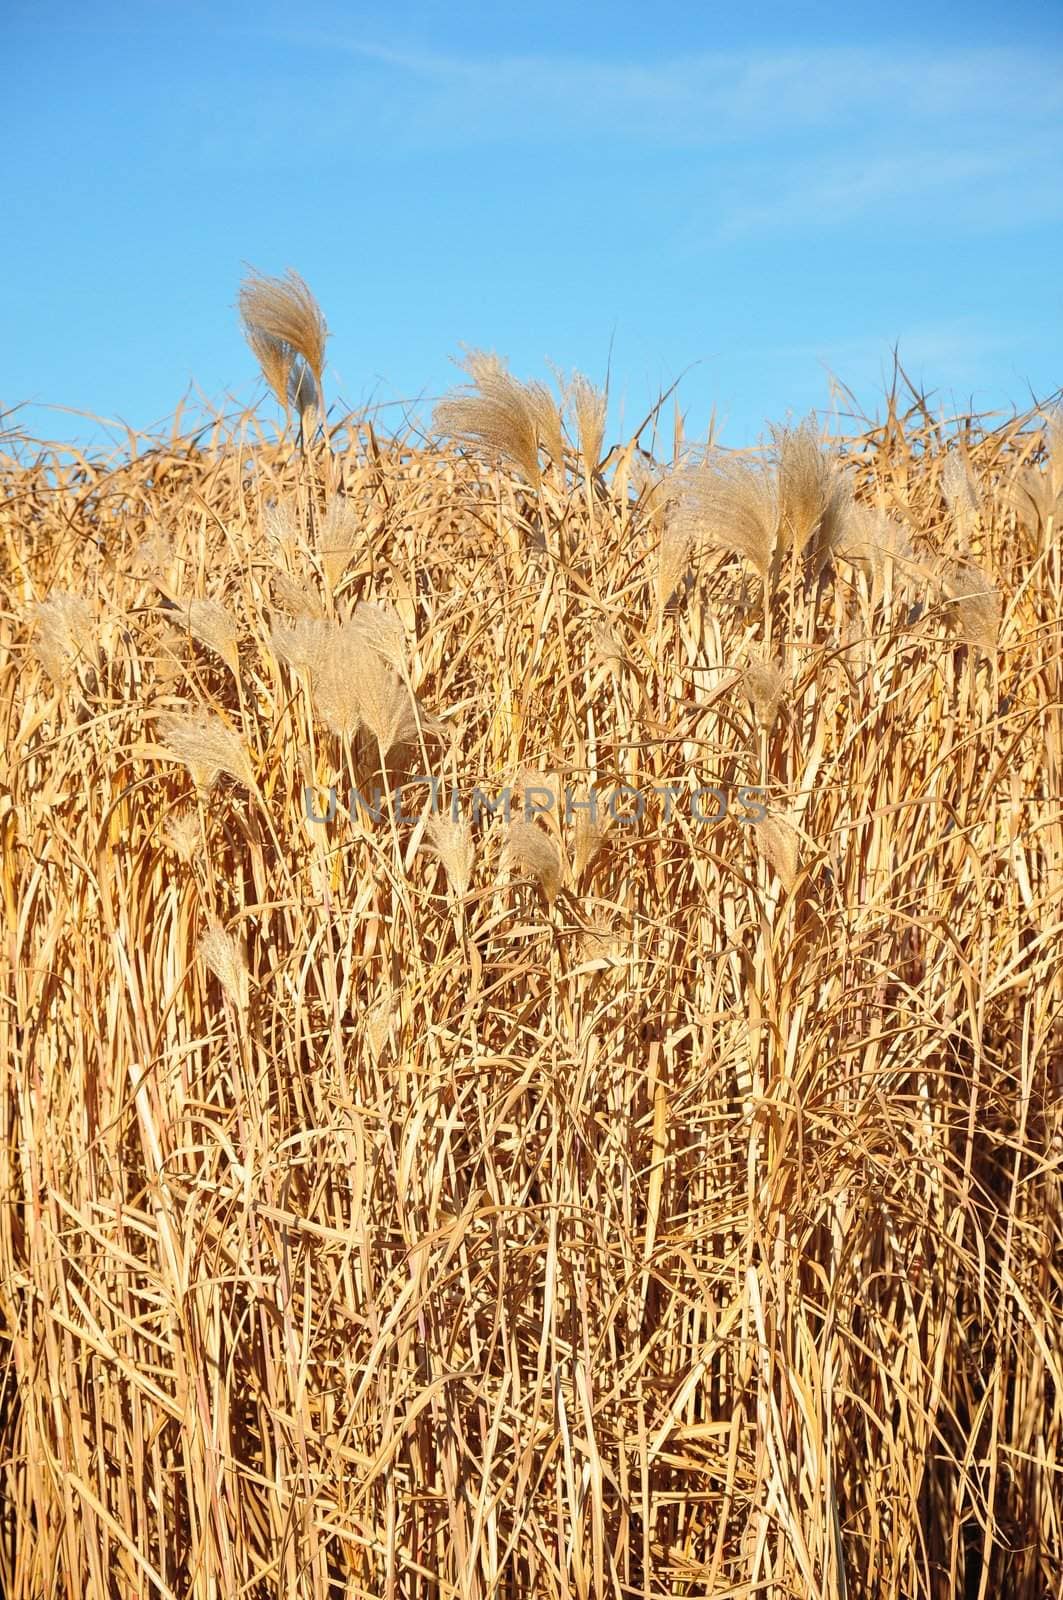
(694, 1229)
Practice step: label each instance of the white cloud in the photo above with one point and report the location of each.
(713, 97)
(822, 134)
(991, 187)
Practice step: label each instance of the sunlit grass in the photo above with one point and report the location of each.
(606, 1209)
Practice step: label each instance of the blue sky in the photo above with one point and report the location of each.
(761, 194)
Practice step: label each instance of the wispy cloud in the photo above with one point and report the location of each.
(714, 97)
(824, 133)
(991, 187)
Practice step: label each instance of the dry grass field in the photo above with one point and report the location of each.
(440, 1206)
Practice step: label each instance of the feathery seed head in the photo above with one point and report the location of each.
(811, 494)
(547, 420)
(764, 683)
(333, 655)
(381, 629)
(673, 559)
(152, 557)
(285, 328)
(281, 526)
(654, 488)
(207, 747)
(452, 844)
(529, 852)
(504, 416)
(961, 493)
(351, 683)
(223, 954)
(976, 606)
(338, 538)
(804, 481)
(183, 834)
(778, 841)
(63, 631)
(725, 503)
(378, 1020)
(591, 833)
(869, 539)
(297, 598)
(607, 647)
(388, 709)
(304, 643)
(212, 625)
(1036, 493)
(589, 404)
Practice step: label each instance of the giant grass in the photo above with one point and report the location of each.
(634, 1210)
